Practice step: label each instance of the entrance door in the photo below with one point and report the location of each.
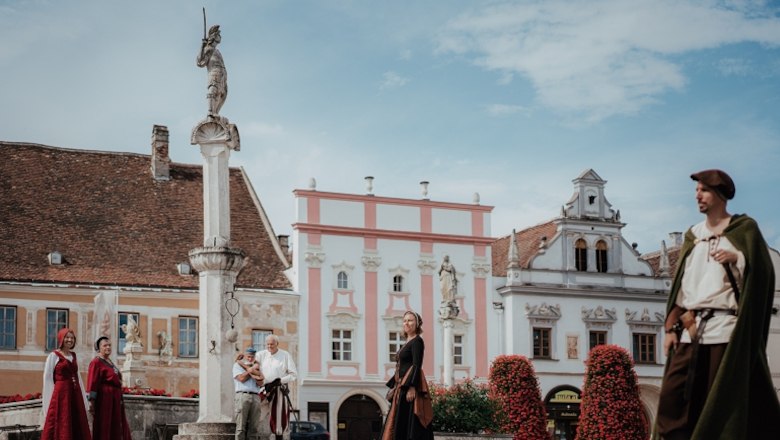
(359, 418)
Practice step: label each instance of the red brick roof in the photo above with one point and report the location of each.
(528, 241)
(113, 223)
(654, 259)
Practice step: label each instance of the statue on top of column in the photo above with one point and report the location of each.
(448, 280)
(210, 58)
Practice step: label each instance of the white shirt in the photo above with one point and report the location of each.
(277, 365)
(705, 284)
(249, 385)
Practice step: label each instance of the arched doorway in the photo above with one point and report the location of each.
(359, 418)
(563, 412)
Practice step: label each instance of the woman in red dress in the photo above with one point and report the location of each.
(105, 396)
(64, 402)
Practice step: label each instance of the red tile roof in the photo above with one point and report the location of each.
(528, 241)
(113, 223)
(654, 259)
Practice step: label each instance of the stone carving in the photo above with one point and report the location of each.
(448, 280)
(371, 263)
(631, 316)
(599, 313)
(132, 333)
(481, 270)
(211, 58)
(166, 347)
(426, 265)
(543, 310)
(314, 258)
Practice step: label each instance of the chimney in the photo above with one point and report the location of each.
(160, 160)
(284, 243)
(675, 239)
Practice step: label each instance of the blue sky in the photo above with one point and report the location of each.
(512, 100)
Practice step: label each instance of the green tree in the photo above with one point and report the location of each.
(465, 407)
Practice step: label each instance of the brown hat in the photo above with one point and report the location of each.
(718, 181)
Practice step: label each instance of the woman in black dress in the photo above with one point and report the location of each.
(410, 412)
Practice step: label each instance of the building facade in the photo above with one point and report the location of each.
(360, 262)
(81, 230)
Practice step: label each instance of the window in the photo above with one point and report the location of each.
(342, 281)
(188, 337)
(542, 343)
(120, 346)
(341, 345)
(56, 319)
(457, 350)
(644, 348)
(7, 327)
(581, 255)
(601, 256)
(395, 342)
(398, 283)
(258, 338)
(597, 338)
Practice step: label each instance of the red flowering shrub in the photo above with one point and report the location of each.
(138, 391)
(192, 394)
(19, 398)
(464, 407)
(610, 409)
(513, 383)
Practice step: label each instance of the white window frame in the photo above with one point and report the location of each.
(457, 349)
(341, 344)
(8, 327)
(188, 337)
(53, 327)
(121, 319)
(258, 338)
(395, 341)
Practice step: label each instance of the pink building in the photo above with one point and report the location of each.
(359, 262)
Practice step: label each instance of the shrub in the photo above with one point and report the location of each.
(19, 398)
(611, 408)
(513, 383)
(138, 391)
(193, 393)
(465, 407)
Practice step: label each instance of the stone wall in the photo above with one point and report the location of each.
(452, 436)
(150, 417)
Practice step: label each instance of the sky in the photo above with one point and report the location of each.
(508, 99)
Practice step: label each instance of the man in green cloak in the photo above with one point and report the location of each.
(717, 383)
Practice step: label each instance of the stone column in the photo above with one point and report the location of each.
(218, 265)
(447, 313)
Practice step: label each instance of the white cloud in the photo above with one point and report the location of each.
(405, 55)
(611, 57)
(505, 109)
(734, 66)
(392, 80)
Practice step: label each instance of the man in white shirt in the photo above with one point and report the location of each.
(279, 370)
(716, 383)
(247, 379)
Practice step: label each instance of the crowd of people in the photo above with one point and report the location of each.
(716, 382)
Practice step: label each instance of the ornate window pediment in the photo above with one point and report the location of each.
(543, 314)
(599, 317)
(644, 321)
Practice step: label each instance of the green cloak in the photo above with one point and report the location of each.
(742, 403)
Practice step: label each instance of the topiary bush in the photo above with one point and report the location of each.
(610, 409)
(514, 384)
(465, 407)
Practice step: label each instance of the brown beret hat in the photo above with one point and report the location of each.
(718, 181)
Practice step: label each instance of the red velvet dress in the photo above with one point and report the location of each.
(66, 418)
(105, 392)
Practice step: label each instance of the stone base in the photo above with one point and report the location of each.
(206, 431)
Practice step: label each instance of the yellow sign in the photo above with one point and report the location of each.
(565, 396)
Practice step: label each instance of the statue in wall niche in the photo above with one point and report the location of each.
(448, 280)
(211, 58)
(132, 333)
(166, 346)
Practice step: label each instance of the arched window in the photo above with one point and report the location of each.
(398, 283)
(342, 280)
(581, 255)
(601, 256)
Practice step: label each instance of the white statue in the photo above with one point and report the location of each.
(132, 333)
(210, 58)
(166, 346)
(448, 280)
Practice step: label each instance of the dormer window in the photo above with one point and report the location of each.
(601, 256)
(581, 255)
(55, 258)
